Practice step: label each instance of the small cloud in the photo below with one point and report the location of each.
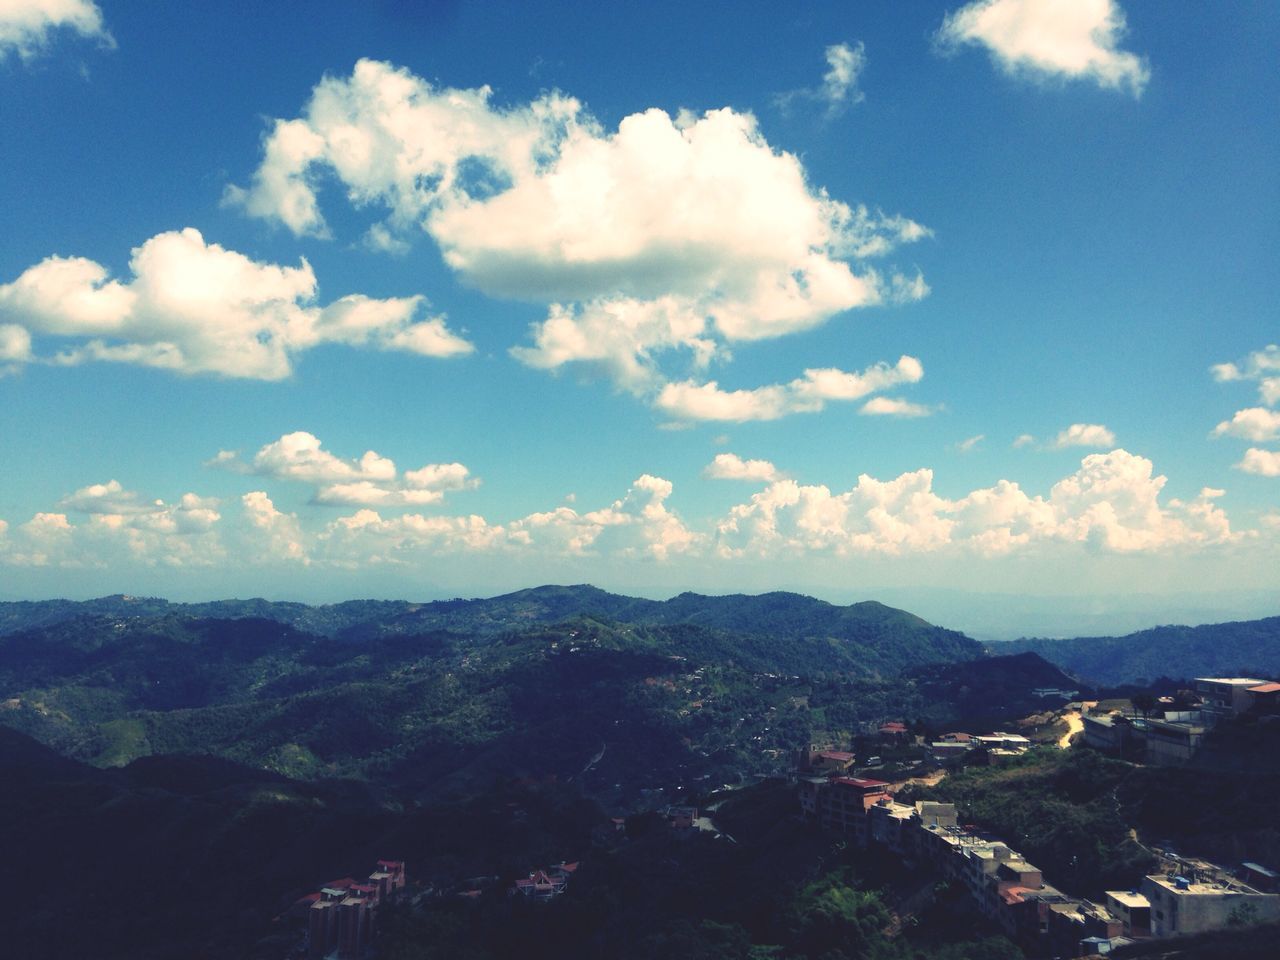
(967, 446)
(1050, 39)
(1264, 463)
(839, 87)
(729, 466)
(1023, 440)
(1256, 423)
(894, 407)
(1084, 435)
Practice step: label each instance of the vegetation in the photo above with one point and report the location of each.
(1247, 648)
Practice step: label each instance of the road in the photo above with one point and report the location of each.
(1074, 725)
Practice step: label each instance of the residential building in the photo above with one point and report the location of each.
(1173, 741)
(1133, 910)
(1226, 696)
(1205, 900)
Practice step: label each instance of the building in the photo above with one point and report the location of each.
(841, 803)
(1204, 900)
(815, 761)
(1264, 698)
(1173, 741)
(1132, 909)
(1226, 696)
(341, 918)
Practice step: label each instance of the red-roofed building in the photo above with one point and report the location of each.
(842, 802)
(894, 730)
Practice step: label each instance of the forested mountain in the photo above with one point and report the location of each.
(1245, 648)
(436, 698)
(869, 637)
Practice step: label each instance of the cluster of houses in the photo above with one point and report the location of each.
(341, 916)
(1012, 893)
(990, 748)
(1172, 736)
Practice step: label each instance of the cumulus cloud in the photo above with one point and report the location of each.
(1111, 503)
(839, 86)
(195, 307)
(1084, 435)
(1256, 423)
(1058, 39)
(276, 535)
(807, 394)
(119, 526)
(1265, 463)
(729, 466)
(662, 241)
(27, 27)
(372, 480)
(1261, 366)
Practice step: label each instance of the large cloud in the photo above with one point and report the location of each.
(118, 527)
(1065, 39)
(373, 480)
(1111, 503)
(666, 237)
(27, 26)
(196, 307)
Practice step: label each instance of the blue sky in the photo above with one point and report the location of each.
(942, 303)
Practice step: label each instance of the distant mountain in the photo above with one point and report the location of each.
(1220, 649)
(866, 637)
(438, 697)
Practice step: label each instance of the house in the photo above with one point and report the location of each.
(818, 761)
(682, 818)
(944, 751)
(1133, 911)
(894, 730)
(1204, 900)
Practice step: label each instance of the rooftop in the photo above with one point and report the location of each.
(1272, 687)
(1130, 898)
(1232, 681)
(1219, 887)
(860, 783)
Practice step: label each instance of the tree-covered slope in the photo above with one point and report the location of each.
(1213, 650)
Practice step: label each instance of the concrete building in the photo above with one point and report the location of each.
(1196, 903)
(1173, 741)
(1226, 696)
(1133, 910)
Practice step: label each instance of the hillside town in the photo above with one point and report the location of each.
(1186, 896)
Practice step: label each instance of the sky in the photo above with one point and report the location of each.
(967, 307)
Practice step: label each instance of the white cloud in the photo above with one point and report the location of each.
(1265, 463)
(807, 394)
(1256, 424)
(1262, 366)
(1062, 39)
(120, 527)
(1023, 440)
(894, 407)
(373, 480)
(1111, 503)
(27, 26)
(277, 535)
(839, 86)
(665, 237)
(196, 307)
(1084, 435)
(729, 466)
(970, 444)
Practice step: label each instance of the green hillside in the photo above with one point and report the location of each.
(1245, 648)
